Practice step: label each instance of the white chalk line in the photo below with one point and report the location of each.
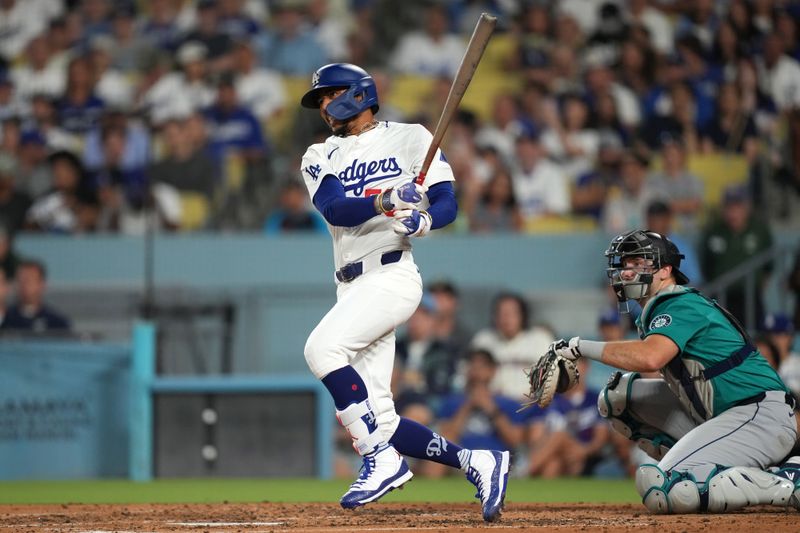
(224, 524)
(411, 528)
(113, 531)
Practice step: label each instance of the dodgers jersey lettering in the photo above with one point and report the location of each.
(388, 155)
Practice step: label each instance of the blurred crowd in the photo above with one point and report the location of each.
(470, 385)
(116, 116)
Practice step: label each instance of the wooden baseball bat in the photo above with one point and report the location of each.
(469, 64)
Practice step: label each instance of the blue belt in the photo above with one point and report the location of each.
(788, 398)
(351, 271)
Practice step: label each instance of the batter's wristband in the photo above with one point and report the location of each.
(383, 202)
(591, 349)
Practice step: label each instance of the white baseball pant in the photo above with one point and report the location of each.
(359, 330)
(757, 435)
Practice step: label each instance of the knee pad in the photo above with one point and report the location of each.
(650, 484)
(737, 487)
(667, 492)
(612, 403)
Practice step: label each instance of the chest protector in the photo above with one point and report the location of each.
(689, 379)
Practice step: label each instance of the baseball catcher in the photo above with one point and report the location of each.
(719, 423)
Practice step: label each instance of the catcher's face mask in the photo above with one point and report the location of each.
(632, 261)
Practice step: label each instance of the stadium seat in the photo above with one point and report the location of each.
(235, 171)
(717, 171)
(194, 211)
(483, 89)
(280, 128)
(499, 49)
(408, 92)
(560, 224)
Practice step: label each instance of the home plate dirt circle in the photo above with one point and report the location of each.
(324, 517)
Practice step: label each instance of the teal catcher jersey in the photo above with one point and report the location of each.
(705, 337)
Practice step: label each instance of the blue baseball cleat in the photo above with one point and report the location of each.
(488, 471)
(382, 472)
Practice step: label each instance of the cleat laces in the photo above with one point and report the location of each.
(364, 472)
(474, 477)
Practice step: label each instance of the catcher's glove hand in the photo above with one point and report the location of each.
(551, 374)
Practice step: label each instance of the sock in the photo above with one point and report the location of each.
(415, 440)
(463, 458)
(345, 386)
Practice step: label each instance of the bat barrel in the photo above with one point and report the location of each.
(469, 64)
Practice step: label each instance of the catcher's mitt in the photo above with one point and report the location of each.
(551, 374)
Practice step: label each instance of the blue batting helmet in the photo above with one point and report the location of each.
(354, 79)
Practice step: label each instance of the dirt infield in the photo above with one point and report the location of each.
(274, 517)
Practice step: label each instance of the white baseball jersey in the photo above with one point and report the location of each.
(388, 155)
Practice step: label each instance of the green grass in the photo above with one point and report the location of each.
(303, 490)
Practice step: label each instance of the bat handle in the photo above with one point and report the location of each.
(421, 178)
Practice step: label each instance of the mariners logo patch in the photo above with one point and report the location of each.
(661, 321)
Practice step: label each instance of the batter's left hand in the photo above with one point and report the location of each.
(406, 196)
(411, 222)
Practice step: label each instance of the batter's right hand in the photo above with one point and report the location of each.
(406, 196)
(411, 223)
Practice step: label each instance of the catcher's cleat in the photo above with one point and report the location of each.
(791, 470)
(382, 472)
(488, 471)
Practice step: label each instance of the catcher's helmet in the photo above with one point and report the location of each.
(357, 82)
(649, 245)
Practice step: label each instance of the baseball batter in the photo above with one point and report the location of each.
(719, 417)
(362, 181)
